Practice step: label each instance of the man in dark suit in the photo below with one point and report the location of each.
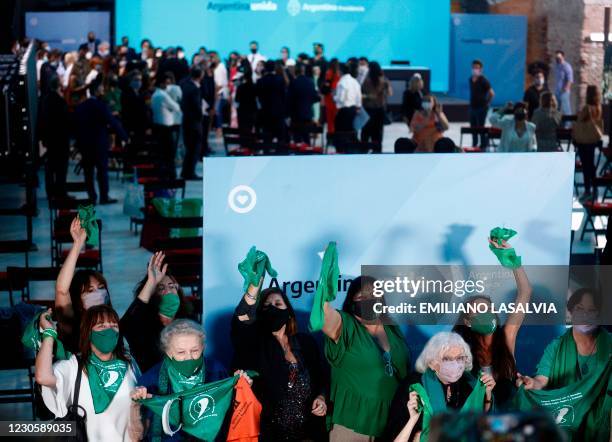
(171, 63)
(207, 89)
(92, 119)
(191, 105)
(49, 70)
(135, 113)
(301, 96)
(54, 130)
(271, 93)
(91, 45)
(130, 53)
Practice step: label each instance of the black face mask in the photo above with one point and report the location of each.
(520, 115)
(365, 309)
(253, 50)
(272, 318)
(91, 39)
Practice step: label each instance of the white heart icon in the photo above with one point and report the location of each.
(242, 199)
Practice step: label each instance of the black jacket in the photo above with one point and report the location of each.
(271, 93)
(179, 68)
(191, 104)
(301, 96)
(134, 110)
(54, 123)
(92, 121)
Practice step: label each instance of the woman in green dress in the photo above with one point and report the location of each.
(368, 360)
(579, 356)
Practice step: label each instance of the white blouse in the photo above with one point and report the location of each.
(110, 425)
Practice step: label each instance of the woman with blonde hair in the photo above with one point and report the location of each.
(587, 134)
(547, 120)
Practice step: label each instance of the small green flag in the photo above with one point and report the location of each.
(507, 257)
(32, 338)
(199, 411)
(327, 288)
(87, 215)
(254, 266)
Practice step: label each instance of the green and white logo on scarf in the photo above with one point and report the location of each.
(580, 405)
(105, 378)
(432, 402)
(199, 411)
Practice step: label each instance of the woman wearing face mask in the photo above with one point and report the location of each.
(368, 361)
(581, 352)
(443, 371)
(491, 344)
(107, 378)
(159, 300)
(518, 134)
(547, 120)
(291, 386)
(428, 124)
(183, 367)
(76, 292)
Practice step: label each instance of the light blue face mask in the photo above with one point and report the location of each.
(97, 297)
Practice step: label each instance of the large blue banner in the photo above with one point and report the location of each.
(381, 210)
(500, 42)
(381, 30)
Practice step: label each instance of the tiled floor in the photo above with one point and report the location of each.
(124, 261)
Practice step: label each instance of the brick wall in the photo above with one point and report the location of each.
(565, 25)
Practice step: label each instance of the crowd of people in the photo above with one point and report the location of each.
(157, 94)
(363, 386)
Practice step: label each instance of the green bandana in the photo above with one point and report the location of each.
(87, 215)
(432, 402)
(32, 338)
(254, 266)
(581, 406)
(169, 305)
(484, 323)
(506, 257)
(105, 378)
(199, 411)
(184, 374)
(105, 340)
(327, 288)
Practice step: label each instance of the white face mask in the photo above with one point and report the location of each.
(476, 72)
(97, 297)
(426, 106)
(451, 371)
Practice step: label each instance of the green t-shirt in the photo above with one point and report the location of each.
(544, 367)
(361, 391)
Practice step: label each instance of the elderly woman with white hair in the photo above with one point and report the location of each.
(183, 367)
(443, 383)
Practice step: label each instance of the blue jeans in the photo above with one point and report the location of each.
(478, 116)
(563, 98)
(219, 108)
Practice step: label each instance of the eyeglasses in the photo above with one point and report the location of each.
(389, 370)
(457, 359)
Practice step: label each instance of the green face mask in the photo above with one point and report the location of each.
(105, 340)
(187, 367)
(484, 323)
(169, 304)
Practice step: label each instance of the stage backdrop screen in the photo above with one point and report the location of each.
(67, 30)
(381, 210)
(382, 30)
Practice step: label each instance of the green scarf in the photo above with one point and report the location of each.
(254, 266)
(199, 411)
(178, 381)
(506, 257)
(105, 378)
(327, 288)
(87, 215)
(580, 405)
(432, 400)
(32, 338)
